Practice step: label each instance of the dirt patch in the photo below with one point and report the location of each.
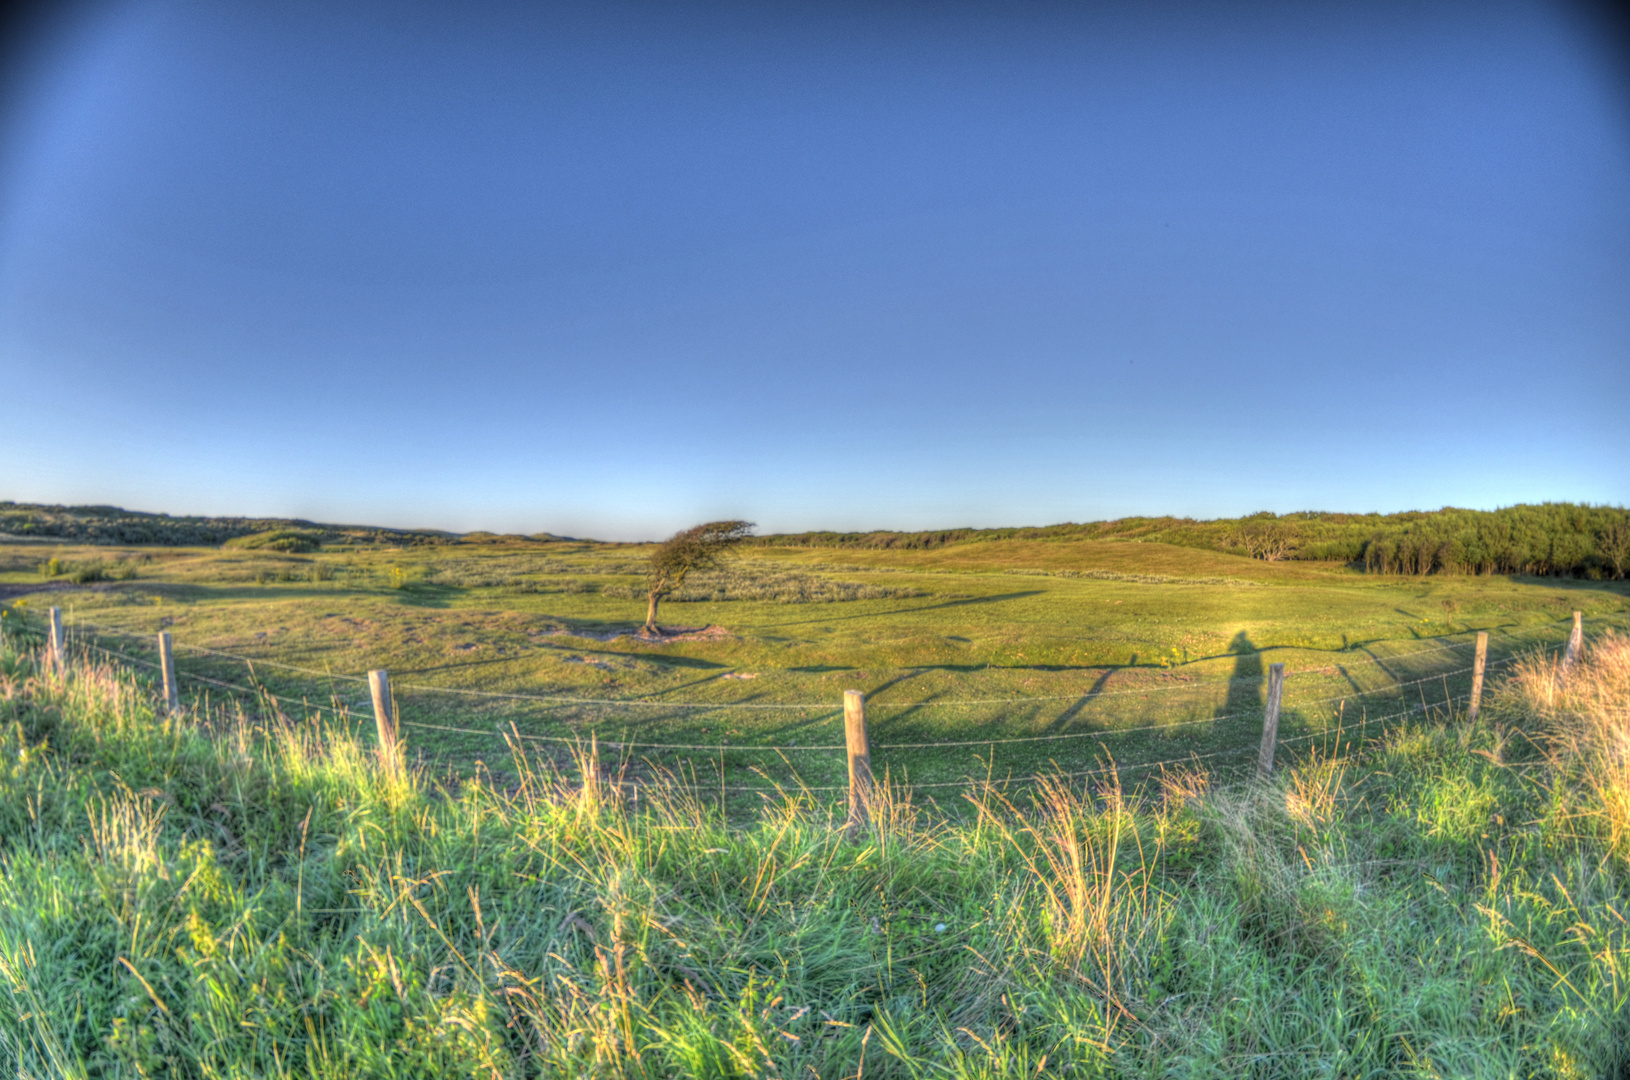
(670, 636)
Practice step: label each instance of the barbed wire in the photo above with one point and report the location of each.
(119, 655)
(716, 746)
(260, 692)
(1112, 768)
(1102, 770)
(952, 743)
(719, 747)
(822, 706)
(1436, 677)
(1334, 668)
(1370, 721)
(79, 622)
(1100, 734)
(825, 707)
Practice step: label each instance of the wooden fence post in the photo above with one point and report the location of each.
(1270, 719)
(390, 750)
(56, 649)
(1576, 641)
(1479, 662)
(860, 762)
(166, 659)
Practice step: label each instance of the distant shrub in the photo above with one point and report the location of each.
(290, 541)
(291, 571)
(1139, 579)
(742, 583)
(85, 573)
(519, 573)
(112, 525)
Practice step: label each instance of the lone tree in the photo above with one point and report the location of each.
(697, 548)
(1264, 537)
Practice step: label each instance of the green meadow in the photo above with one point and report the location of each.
(1079, 653)
(226, 892)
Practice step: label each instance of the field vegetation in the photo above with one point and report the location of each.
(1551, 539)
(231, 893)
(998, 657)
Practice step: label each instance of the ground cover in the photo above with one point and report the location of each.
(1091, 650)
(220, 894)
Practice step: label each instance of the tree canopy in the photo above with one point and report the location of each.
(699, 547)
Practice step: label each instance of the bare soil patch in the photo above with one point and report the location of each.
(670, 636)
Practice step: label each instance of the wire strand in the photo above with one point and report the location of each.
(776, 706)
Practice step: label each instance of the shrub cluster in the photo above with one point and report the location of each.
(1139, 579)
(518, 572)
(769, 586)
(289, 541)
(113, 525)
(86, 571)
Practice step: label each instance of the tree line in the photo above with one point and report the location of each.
(115, 525)
(1556, 539)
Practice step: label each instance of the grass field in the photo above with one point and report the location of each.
(1139, 652)
(216, 894)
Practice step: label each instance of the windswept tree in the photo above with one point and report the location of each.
(697, 548)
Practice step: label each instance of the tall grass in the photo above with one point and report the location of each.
(222, 895)
(1583, 714)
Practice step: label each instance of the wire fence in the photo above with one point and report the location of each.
(1130, 732)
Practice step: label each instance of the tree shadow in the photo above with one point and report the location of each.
(1065, 718)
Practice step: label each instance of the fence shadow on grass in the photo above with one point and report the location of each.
(1065, 718)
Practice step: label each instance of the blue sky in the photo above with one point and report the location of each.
(609, 269)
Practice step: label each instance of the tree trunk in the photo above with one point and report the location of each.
(651, 613)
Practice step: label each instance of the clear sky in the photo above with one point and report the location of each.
(612, 268)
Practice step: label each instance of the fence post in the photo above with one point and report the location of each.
(390, 750)
(56, 650)
(1479, 662)
(1576, 641)
(860, 762)
(1270, 719)
(166, 659)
